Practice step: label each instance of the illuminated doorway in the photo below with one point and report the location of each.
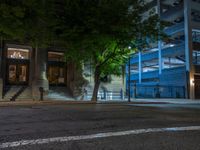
(17, 66)
(56, 68)
(56, 75)
(17, 73)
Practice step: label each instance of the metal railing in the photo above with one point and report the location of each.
(157, 91)
(140, 91)
(104, 95)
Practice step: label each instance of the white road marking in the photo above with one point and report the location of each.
(94, 136)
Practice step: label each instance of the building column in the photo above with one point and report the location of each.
(140, 66)
(160, 57)
(40, 77)
(188, 50)
(160, 63)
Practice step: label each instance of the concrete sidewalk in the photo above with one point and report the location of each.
(133, 101)
(45, 102)
(169, 101)
(154, 101)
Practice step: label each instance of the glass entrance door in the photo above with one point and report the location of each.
(56, 75)
(17, 74)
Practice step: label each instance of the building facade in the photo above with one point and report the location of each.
(26, 73)
(171, 68)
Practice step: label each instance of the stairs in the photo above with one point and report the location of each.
(105, 95)
(58, 93)
(107, 91)
(26, 94)
(11, 91)
(17, 93)
(20, 93)
(114, 89)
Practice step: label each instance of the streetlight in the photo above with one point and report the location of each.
(129, 77)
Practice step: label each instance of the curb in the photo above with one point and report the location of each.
(59, 102)
(41, 103)
(79, 102)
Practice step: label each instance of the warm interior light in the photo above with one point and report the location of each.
(17, 55)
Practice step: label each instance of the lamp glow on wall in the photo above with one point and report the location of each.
(192, 82)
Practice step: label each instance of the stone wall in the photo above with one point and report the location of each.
(75, 81)
(40, 77)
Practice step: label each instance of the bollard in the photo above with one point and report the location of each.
(41, 89)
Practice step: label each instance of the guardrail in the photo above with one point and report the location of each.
(178, 49)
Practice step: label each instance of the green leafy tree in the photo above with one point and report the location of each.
(25, 21)
(102, 30)
(11, 16)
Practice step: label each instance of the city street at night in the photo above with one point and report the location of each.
(100, 75)
(116, 126)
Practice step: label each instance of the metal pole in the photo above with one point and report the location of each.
(134, 89)
(159, 40)
(140, 66)
(129, 79)
(188, 49)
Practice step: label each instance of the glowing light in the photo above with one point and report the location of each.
(171, 45)
(16, 55)
(192, 82)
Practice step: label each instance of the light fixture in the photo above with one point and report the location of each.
(17, 55)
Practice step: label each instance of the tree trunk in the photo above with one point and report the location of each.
(96, 84)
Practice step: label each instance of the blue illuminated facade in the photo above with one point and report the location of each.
(171, 68)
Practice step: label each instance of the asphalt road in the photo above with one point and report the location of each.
(45, 122)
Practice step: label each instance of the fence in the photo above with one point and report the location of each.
(106, 95)
(140, 91)
(157, 91)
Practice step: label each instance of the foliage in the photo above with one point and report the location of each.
(25, 21)
(102, 30)
(11, 17)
